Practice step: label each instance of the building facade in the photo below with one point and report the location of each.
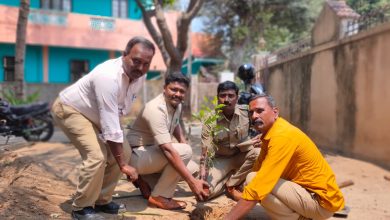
(68, 38)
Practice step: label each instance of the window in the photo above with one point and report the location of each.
(78, 68)
(59, 5)
(119, 8)
(9, 68)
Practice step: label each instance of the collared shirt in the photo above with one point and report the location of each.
(227, 140)
(103, 96)
(288, 153)
(155, 123)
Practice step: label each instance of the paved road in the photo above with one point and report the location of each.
(59, 136)
(13, 142)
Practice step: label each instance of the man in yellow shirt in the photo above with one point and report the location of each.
(292, 179)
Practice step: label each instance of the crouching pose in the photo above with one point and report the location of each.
(292, 179)
(89, 113)
(235, 154)
(153, 150)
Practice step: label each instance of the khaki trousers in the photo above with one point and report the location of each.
(151, 160)
(99, 172)
(288, 201)
(231, 171)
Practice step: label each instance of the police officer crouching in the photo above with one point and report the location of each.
(235, 154)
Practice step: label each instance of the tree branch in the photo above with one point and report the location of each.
(193, 8)
(183, 24)
(154, 33)
(164, 30)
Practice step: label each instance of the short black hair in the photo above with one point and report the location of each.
(227, 85)
(177, 77)
(270, 99)
(139, 40)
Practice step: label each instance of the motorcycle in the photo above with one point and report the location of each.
(33, 122)
(246, 73)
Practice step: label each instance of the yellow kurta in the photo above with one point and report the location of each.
(288, 153)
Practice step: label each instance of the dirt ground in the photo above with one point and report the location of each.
(38, 181)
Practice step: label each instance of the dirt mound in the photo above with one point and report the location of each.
(37, 182)
(29, 190)
(211, 212)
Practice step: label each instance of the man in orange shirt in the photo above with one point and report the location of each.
(292, 180)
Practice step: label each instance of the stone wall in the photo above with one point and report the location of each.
(338, 92)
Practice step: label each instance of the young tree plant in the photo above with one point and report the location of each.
(208, 115)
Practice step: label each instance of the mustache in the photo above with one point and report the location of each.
(257, 122)
(227, 103)
(136, 73)
(177, 98)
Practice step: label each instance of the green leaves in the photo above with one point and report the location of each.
(242, 25)
(11, 97)
(208, 115)
(364, 6)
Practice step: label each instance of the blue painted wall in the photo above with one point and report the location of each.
(33, 3)
(5, 50)
(33, 67)
(96, 7)
(104, 8)
(59, 61)
(33, 62)
(134, 11)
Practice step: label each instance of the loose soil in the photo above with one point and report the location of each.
(38, 181)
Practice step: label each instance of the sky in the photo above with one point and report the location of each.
(197, 23)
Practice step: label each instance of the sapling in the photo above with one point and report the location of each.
(208, 115)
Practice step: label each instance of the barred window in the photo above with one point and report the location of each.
(9, 68)
(78, 68)
(59, 5)
(119, 8)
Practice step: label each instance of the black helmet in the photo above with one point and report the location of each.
(257, 89)
(246, 72)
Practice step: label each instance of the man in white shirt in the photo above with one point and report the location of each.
(89, 113)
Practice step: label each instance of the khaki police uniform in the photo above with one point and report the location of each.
(99, 171)
(232, 162)
(154, 126)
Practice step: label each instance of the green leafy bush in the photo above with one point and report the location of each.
(11, 97)
(208, 115)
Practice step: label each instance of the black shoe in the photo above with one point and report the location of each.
(87, 213)
(111, 208)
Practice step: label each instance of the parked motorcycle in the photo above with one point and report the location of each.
(246, 73)
(33, 122)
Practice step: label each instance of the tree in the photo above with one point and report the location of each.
(172, 53)
(364, 6)
(20, 47)
(243, 24)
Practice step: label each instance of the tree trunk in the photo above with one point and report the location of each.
(172, 53)
(175, 66)
(20, 47)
